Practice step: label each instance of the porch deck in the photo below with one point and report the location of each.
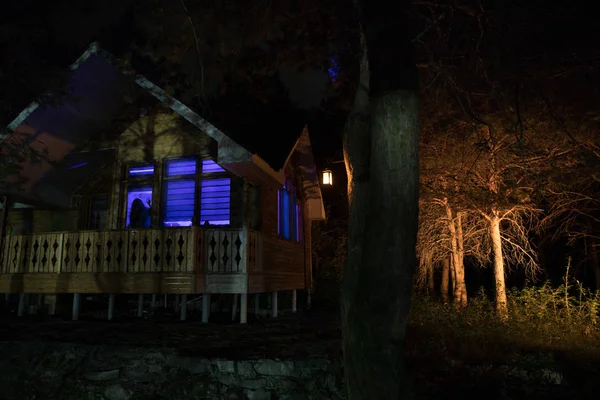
(169, 260)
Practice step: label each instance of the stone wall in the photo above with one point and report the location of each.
(30, 370)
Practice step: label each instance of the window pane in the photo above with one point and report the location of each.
(215, 204)
(285, 214)
(179, 202)
(98, 214)
(209, 166)
(142, 170)
(139, 201)
(180, 167)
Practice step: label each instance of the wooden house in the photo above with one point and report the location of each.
(137, 194)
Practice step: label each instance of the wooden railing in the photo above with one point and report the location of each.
(230, 251)
(187, 249)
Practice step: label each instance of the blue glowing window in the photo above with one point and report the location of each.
(285, 204)
(215, 201)
(179, 202)
(141, 170)
(209, 166)
(180, 167)
(139, 201)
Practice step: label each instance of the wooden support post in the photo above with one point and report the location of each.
(22, 301)
(234, 307)
(140, 312)
(205, 307)
(243, 308)
(153, 302)
(111, 306)
(50, 302)
(183, 307)
(75, 312)
(256, 304)
(274, 307)
(177, 303)
(294, 301)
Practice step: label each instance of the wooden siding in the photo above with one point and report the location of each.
(51, 283)
(282, 260)
(29, 220)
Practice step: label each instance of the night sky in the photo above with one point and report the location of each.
(58, 32)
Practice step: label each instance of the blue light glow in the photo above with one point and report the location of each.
(334, 69)
(142, 170)
(143, 193)
(209, 166)
(78, 165)
(215, 203)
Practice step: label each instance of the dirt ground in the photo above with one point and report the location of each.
(288, 336)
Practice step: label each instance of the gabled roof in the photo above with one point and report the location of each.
(302, 157)
(99, 88)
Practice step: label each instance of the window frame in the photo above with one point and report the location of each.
(165, 178)
(137, 181)
(294, 202)
(157, 180)
(206, 176)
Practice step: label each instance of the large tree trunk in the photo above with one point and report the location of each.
(458, 268)
(501, 301)
(430, 276)
(382, 235)
(445, 277)
(460, 271)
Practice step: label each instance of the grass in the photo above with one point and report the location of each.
(548, 349)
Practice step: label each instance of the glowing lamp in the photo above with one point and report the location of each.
(327, 177)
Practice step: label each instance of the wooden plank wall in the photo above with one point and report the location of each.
(282, 260)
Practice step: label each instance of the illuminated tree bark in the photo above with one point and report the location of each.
(445, 278)
(501, 301)
(457, 252)
(381, 149)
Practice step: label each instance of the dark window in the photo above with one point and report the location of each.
(98, 214)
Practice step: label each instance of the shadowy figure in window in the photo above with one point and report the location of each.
(139, 216)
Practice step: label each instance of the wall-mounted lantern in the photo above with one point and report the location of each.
(327, 177)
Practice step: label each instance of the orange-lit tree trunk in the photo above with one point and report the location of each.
(499, 270)
(445, 278)
(381, 150)
(457, 252)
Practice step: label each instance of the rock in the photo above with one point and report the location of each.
(102, 375)
(274, 368)
(259, 394)
(253, 383)
(225, 366)
(293, 396)
(117, 392)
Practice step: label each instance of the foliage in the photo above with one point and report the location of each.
(566, 317)
(329, 254)
(207, 48)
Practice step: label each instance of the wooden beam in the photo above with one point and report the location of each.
(111, 306)
(205, 307)
(140, 311)
(75, 312)
(274, 306)
(243, 308)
